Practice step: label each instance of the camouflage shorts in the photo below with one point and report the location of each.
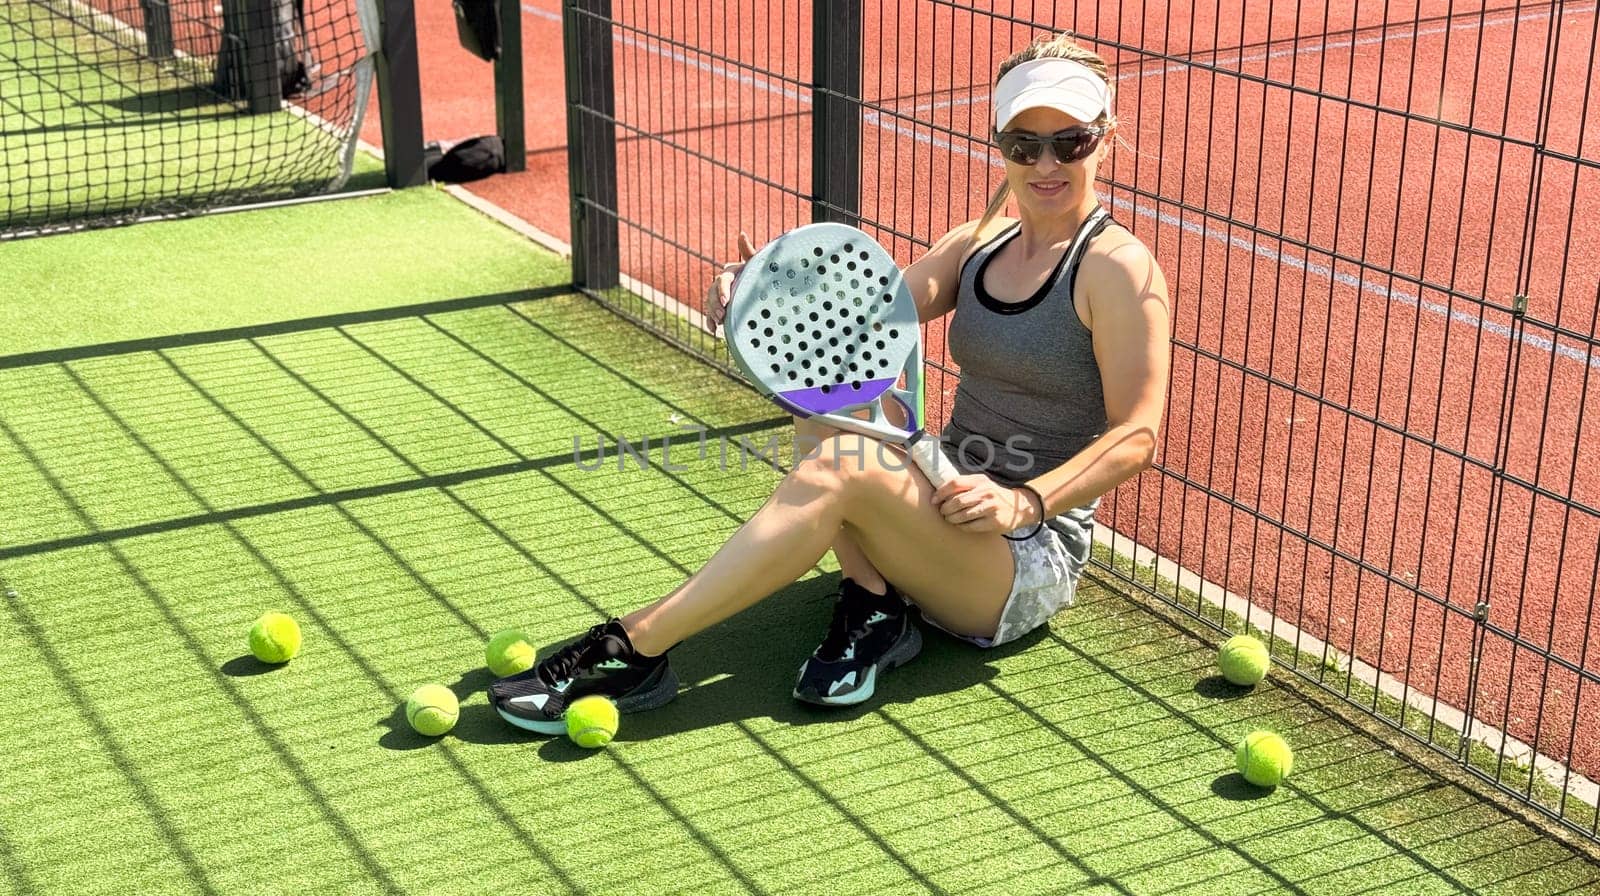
(1045, 580)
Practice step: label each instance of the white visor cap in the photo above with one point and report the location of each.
(1052, 83)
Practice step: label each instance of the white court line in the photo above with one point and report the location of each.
(675, 56)
(1398, 33)
(1397, 296)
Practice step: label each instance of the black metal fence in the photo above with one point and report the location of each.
(1383, 423)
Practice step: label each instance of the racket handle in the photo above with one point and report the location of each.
(925, 452)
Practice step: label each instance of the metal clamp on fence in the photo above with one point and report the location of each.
(478, 27)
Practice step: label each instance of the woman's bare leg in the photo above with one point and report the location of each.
(959, 579)
(853, 562)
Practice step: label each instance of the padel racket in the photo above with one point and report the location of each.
(824, 324)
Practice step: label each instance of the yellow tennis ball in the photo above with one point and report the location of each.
(509, 652)
(275, 638)
(592, 721)
(1264, 758)
(432, 710)
(1243, 660)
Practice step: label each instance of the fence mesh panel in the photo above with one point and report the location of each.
(1382, 419)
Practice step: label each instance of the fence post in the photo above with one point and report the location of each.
(400, 95)
(591, 142)
(247, 57)
(508, 106)
(157, 28)
(836, 111)
(263, 87)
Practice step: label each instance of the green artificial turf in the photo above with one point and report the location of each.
(241, 270)
(91, 128)
(404, 483)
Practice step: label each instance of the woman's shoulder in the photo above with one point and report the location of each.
(971, 239)
(1116, 251)
(997, 225)
(1117, 268)
(1115, 239)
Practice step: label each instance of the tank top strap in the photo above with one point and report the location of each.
(1094, 225)
(1066, 270)
(990, 247)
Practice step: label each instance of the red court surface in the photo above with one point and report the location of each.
(1363, 437)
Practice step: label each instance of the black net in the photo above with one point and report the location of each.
(115, 109)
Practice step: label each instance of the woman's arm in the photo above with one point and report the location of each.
(935, 277)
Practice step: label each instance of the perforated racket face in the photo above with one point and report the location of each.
(822, 320)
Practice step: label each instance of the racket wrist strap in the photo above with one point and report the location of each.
(1039, 524)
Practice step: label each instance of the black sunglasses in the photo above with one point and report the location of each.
(1070, 145)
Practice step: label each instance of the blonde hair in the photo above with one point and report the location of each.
(1059, 46)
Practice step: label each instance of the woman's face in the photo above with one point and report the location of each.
(1049, 186)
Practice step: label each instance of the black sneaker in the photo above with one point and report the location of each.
(601, 662)
(869, 634)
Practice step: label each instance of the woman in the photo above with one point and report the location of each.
(1060, 325)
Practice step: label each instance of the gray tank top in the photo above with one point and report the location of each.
(1030, 395)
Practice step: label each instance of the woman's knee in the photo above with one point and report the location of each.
(808, 428)
(851, 464)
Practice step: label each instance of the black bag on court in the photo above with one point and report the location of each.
(472, 159)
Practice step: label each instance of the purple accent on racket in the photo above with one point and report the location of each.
(839, 396)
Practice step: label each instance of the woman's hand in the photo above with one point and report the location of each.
(976, 503)
(722, 287)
